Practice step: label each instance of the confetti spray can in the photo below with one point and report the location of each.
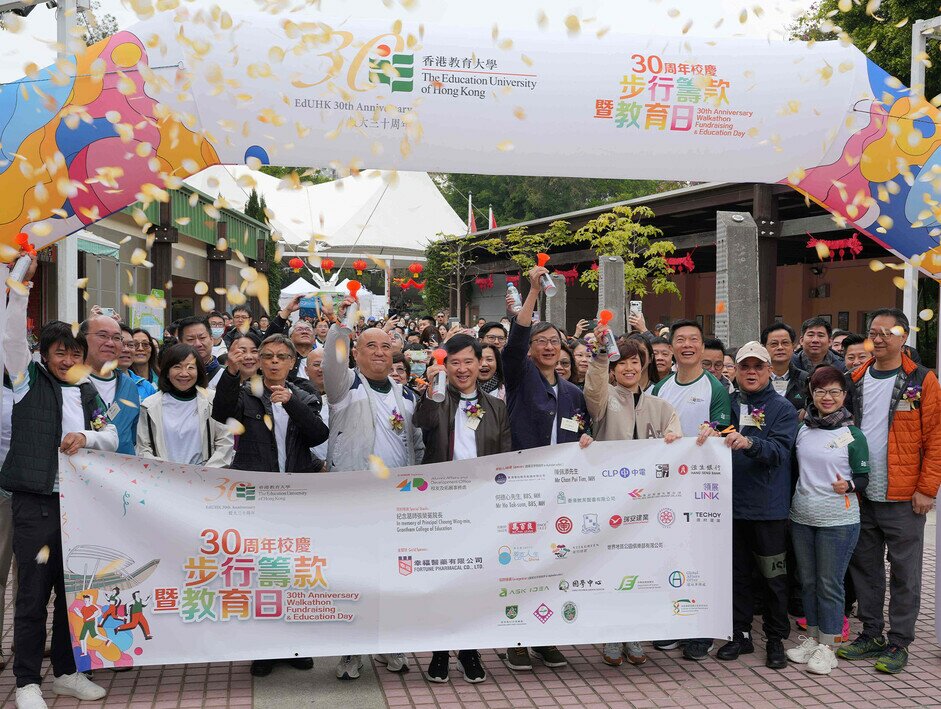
(548, 287)
(439, 387)
(610, 343)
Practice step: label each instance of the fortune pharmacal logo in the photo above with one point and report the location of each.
(244, 491)
(397, 71)
(405, 565)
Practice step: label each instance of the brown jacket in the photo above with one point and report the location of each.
(437, 424)
(613, 413)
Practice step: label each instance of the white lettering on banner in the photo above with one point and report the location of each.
(188, 564)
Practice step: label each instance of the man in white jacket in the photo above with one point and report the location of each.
(370, 414)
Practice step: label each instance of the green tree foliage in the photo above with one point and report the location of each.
(307, 175)
(620, 233)
(518, 199)
(891, 44)
(98, 26)
(255, 208)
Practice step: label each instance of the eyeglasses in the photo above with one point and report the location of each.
(142, 345)
(881, 334)
(116, 339)
(832, 393)
(546, 341)
(281, 356)
(494, 338)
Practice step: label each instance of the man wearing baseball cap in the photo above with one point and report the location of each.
(765, 428)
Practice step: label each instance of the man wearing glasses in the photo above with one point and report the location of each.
(765, 430)
(492, 333)
(897, 405)
(117, 391)
(544, 409)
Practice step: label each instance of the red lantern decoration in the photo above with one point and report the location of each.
(296, 264)
(484, 282)
(417, 285)
(594, 266)
(831, 246)
(415, 269)
(406, 284)
(679, 264)
(513, 280)
(569, 275)
(326, 264)
(360, 266)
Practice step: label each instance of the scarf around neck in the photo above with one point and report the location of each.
(840, 417)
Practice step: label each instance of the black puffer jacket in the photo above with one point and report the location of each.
(257, 447)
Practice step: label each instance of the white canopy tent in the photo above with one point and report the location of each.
(377, 213)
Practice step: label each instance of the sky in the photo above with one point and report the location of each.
(665, 17)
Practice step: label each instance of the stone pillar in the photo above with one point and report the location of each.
(555, 306)
(738, 296)
(611, 290)
(215, 262)
(161, 255)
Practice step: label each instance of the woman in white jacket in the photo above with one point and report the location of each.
(176, 423)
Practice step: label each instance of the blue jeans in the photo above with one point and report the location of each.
(823, 555)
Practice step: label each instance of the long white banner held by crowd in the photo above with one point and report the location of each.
(170, 563)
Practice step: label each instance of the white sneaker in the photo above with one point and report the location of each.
(803, 652)
(349, 666)
(79, 686)
(30, 697)
(822, 661)
(394, 661)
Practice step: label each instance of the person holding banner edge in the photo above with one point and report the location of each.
(544, 409)
(468, 424)
(622, 411)
(51, 415)
(280, 425)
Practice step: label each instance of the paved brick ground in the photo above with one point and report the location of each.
(666, 680)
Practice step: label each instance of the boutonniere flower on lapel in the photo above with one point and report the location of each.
(912, 395)
(579, 418)
(98, 420)
(397, 421)
(757, 414)
(473, 410)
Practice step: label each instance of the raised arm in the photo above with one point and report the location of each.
(337, 375)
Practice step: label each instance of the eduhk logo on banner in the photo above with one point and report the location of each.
(395, 70)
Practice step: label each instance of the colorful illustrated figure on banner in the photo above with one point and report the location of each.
(153, 104)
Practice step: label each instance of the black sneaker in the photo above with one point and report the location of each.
(469, 662)
(301, 663)
(667, 644)
(777, 658)
(698, 649)
(438, 667)
(261, 668)
(738, 645)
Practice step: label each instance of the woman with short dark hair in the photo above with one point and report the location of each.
(176, 423)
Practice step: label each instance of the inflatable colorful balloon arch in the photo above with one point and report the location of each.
(136, 113)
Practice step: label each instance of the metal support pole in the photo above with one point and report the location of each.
(66, 249)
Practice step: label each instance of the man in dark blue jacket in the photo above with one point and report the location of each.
(543, 409)
(766, 427)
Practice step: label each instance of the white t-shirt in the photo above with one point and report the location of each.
(877, 396)
(281, 420)
(302, 368)
(182, 430)
(702, 400)
(107, 388)
(465, 438)
(73, 416)
(391, 446)
(824, 454)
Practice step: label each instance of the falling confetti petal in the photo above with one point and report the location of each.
(201, 288)
(876, 265)
(899, 282)
(897, 330)
(108, 367)
(42, 556)
(868, 345)
(378, 467)
(235, 427)
(926, 314)
(207, 304)
(823, 251)
(76, 373)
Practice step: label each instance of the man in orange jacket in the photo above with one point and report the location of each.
(897, 404)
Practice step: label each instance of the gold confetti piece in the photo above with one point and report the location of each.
(201, 288)
(81, 283)
(902, 23)
(520, 113)
(207, 304)
(926, 314)
(42, 556)
(885, 221)
(252, 162)
(542, 21)
(138, 257)
(899, 282)
(687, 26)
(75, 328)
(76, 373)
(222, 245)
(573, 25)
(868, 345)
(845, 5)
(505, 146)
(108, 367)
(8, 253)
(378, 467)
(129, 403)
(823, 251)
(257, 385)
(876, 265)
(267, 420)
(743, 16)
(342, 351)
(234, 427)
(17, 286)
(897, 330)
(673, 12)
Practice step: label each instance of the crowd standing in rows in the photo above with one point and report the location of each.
(836, 447)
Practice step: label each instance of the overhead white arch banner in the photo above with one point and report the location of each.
(178, 92)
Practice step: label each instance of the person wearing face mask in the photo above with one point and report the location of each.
(176, 423)
(53, 412)
(490, 377)
(468, 424)
(217, 331)
(623, 412)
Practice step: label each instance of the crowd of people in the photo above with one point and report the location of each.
(835, 440)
